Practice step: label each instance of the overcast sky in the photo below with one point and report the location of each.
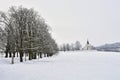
(71, 20)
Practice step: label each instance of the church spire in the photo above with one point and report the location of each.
(88, 46)
(87, 41)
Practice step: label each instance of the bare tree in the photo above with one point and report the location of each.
(27, 33)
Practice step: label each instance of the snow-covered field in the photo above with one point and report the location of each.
(84, 65)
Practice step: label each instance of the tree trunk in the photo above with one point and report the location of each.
(12, 54)
(21, 56)
(25, 56)
(40, 55)
(45, 55)
(17, 54)
(30, 55)
(6, 54)
(34, 55)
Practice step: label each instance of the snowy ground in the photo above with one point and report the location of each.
(84, 65)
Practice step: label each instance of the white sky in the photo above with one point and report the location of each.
(71, 20)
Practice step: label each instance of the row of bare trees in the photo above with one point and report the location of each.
(70, 47)
(26, 33)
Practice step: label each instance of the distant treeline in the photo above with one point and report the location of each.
(70, 47)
